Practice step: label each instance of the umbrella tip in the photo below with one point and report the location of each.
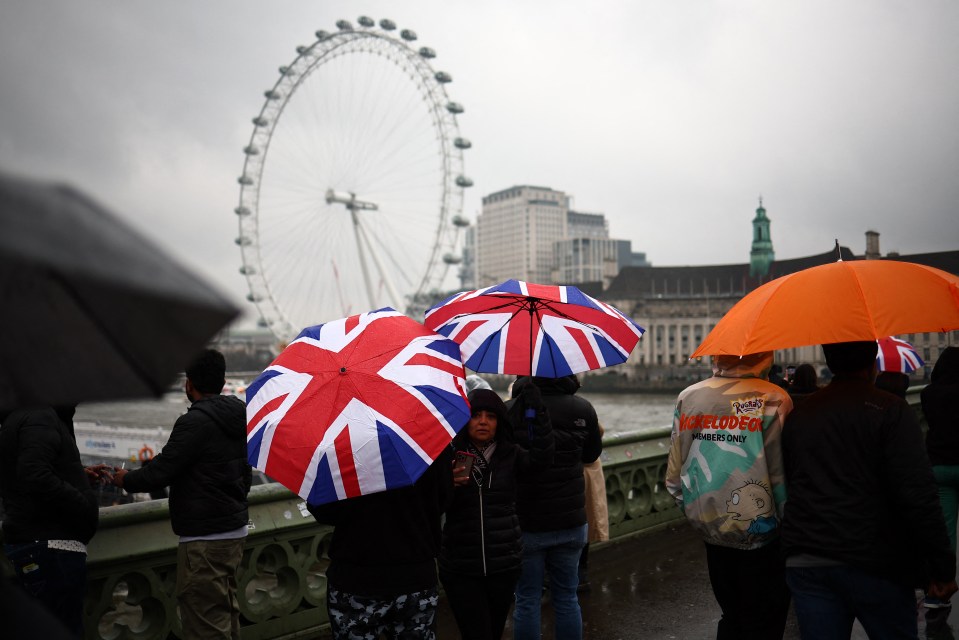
(838, 251)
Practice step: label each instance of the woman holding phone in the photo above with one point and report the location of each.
(480, 556)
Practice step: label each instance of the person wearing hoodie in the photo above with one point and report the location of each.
(205, 465)
(725, 471)
(480, 556)
(552, 509)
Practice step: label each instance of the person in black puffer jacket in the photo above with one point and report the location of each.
(552, 509)
(205, 465)
(51, 509)
(482, 550)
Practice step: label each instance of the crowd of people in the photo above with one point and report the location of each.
(825, 498)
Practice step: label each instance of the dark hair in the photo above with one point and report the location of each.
(207, 371)
(489, 400)
(894, 382)
(947, 366)
(849, 357)
(804, 376)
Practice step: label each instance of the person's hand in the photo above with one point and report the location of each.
(118, 474)
(942, 590)
(99, 473)
(460, 477)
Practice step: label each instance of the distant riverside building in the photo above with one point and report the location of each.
(515, 234)
(678, 306)
(761, 256)
(530, 233)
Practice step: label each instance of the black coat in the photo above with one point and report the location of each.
(482, 532)
(860, 487)
(46, 493)
(204, 463)
(940, 405)
(385, 544)
(554, 499)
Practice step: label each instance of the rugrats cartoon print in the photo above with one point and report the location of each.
(753, 503)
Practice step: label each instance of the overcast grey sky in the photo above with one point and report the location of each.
(669, 117)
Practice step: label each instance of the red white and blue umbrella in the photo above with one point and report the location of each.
(897, 355)
(356, 406)
(522, 328)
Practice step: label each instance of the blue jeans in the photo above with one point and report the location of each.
(555, 553)
(828, 599)
(55, 577)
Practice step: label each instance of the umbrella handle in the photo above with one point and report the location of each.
(530, 416)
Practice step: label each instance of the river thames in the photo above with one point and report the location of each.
(617, 412)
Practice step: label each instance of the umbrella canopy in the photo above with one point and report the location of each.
(898, 356)
(356, 406)
(523, 329)
(838, 302)
(90, 309)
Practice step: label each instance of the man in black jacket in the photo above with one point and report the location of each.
(552, 510)
(862, 523)
(51, 510)
(205, 465)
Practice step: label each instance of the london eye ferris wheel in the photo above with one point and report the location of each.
(351, 194)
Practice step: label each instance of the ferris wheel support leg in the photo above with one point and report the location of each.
(357, 232)
(390, 289)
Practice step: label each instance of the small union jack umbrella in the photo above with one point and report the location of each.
(522, 328)
(356, 406)
(897, 355)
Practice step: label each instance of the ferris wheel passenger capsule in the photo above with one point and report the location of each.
(387, 25)
(243, 241)
(302, 49)
(270, 94)
(344, 25)
(408, 35)
(365, 21)
(460, 221)
(245, 180)
(463, 181)
(322, 35)
(443, 77)
(454, 107)
(426, 52)
(449, 258)
(242, 211)
(247, 270)
(250, 150)
(462, 143)
(260, 121)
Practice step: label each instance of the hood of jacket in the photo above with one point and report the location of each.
(567, 385)
(753, 365)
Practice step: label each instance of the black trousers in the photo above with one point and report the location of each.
(750, 587)
(480, 604)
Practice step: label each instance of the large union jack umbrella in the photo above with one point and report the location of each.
(522, 328)
(897, 355)
(356, 406)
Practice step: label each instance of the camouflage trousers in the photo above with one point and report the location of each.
(406, 617)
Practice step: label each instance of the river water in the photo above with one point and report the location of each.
(617, 411)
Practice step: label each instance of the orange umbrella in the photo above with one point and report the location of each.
(838, 302)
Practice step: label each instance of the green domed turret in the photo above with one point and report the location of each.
(761, 256)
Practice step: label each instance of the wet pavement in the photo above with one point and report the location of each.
(654, 585)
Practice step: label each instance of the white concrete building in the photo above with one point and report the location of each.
(516, 233)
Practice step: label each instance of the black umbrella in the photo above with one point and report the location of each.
(89, 309)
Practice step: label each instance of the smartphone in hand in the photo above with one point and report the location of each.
(463, 459)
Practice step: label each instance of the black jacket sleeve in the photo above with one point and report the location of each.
(179, 453)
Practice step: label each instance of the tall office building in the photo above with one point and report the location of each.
(516, 233)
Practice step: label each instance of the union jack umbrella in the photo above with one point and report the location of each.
(897, 355)
(356, 406)
(522, 328)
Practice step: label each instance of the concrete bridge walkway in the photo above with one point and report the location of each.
(654, 586)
